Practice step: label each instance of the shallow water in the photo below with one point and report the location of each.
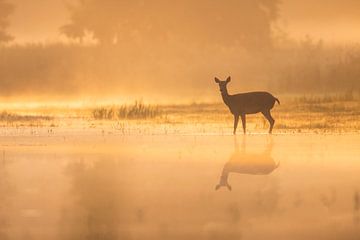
(163, 187)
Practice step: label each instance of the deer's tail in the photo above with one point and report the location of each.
(277, 100)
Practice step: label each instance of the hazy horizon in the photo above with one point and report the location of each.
(120, 51)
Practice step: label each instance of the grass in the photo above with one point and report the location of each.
(347, 96)
(323, 113)
(12, 117)
(138, 110)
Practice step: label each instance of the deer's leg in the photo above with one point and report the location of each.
(236, 120)
(243, 120)
(271, 120)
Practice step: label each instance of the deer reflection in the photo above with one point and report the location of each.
(247, 163)
(356, 207)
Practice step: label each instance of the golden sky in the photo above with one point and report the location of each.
(331, 20)
(38, 20)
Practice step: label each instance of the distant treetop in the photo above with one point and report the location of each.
(242, 22)
(6, 9)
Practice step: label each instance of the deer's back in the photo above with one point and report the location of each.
(251, 102)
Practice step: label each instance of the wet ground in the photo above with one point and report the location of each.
(302, 186)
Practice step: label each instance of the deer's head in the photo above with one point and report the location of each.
(222, 84)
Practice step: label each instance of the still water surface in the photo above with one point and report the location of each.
(164, 187)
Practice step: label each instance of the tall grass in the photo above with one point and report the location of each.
(138, 110)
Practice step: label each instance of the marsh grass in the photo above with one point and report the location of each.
(347, 96)
(322, 113)
(310, 113)
(12, 117)
(138, 110)
(103, 113)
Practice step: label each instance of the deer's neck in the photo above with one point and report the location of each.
(226, 97)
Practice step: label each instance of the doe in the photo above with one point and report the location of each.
(247, 103)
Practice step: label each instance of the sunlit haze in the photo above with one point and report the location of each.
(116, 51)
(179, 119)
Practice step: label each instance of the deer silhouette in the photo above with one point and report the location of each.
(247, 103)
(247, 163)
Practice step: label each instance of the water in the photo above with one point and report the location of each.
(163, 187)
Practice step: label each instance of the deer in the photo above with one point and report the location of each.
(247, 103)
(243, 162)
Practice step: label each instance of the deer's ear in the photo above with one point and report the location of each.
(228, 79)
(229, 187)
(217, 187)
(217, 80)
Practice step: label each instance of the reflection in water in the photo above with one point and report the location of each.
(6, 191)
(96, 210)
(128, 193)
(356, 207)
(4, 195)
(329, 200)
(247, 163)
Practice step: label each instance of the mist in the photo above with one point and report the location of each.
(179, 119)
(165, 52)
